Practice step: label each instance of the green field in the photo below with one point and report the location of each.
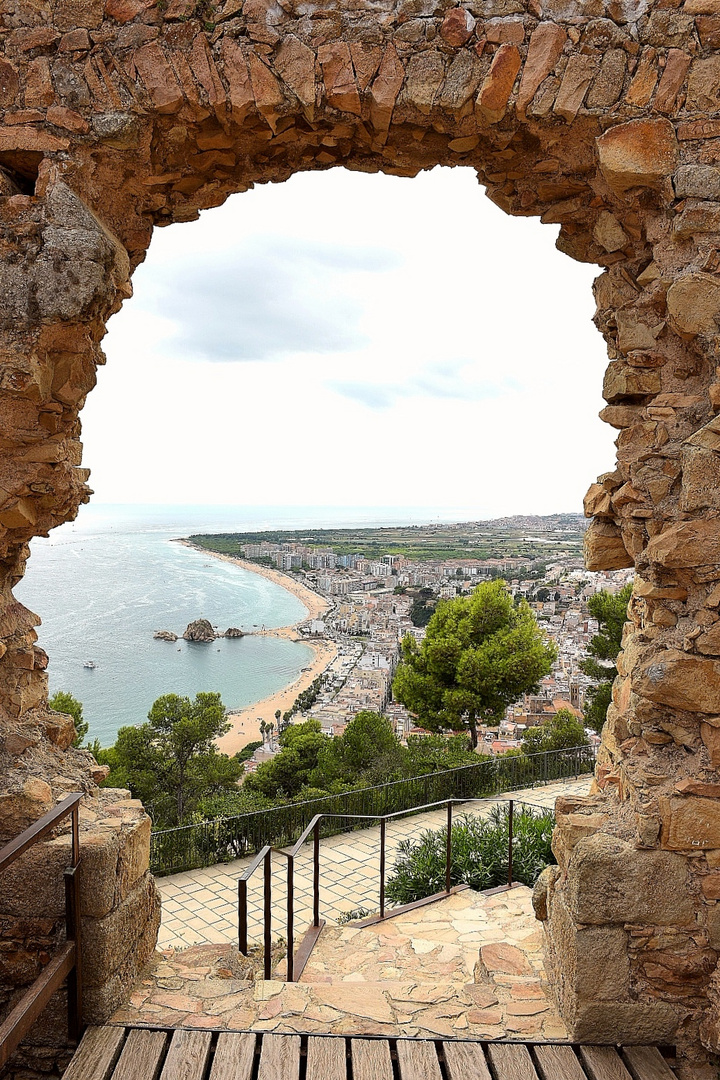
(559, 535)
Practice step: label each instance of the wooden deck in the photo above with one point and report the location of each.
(120, 1053)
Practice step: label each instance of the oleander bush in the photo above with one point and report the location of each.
(479, 854)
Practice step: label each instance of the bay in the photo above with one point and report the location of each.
(104, 583)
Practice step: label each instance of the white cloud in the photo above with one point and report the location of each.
(426, 350)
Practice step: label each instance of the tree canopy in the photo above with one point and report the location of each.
(63, 702)
(563, 731)
(479, 654)
(610, 610)
(310, 764)
(171, 762)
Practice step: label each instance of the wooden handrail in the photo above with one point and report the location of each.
(66, 964)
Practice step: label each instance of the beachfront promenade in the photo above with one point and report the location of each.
(200, 906)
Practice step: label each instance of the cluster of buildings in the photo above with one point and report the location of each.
(370, 614)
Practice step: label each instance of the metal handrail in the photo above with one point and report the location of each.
(221, 839)
(314, 827)
(67, 963)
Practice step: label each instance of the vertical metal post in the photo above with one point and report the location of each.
(511, 812)
(290, 917)
(73, 931)
(382, 867)
(242, 917)
(448, 846)
(316, 874)
(267, 916)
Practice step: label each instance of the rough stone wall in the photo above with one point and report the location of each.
(602, 116)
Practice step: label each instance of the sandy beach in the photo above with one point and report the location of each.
(246, 722)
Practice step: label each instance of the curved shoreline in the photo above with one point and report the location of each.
(246, 722)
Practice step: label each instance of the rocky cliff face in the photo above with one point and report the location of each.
(602, 116)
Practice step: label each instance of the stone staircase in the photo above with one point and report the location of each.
(467, 966)
(470, 963)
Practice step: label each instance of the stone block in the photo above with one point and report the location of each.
(690, 823)
(546, 45)
(697, 182)
(98, 872)
(134, 855)
(700, 479)
(713, 926)
(603, 547)
(641, 153)
(622, 381)
(703, 93)
(610, 882)
(100, 1000)
(34, 885)
(107, 941)
(689, 543)
(679, 680)
(626, 1022)
(693, 304)
(492, 101)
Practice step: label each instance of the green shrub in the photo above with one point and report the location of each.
(479, 854)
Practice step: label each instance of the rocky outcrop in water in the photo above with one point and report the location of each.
(199, 630)
(165, 635)
(233, 631)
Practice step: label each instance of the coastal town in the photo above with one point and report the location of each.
(368, 605)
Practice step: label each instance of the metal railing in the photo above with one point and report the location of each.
(206, 843)
(296, 961)
(66, 964)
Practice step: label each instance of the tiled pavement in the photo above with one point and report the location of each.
(467, 966)
(200, 906)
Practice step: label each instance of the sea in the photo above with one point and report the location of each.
(106, 582)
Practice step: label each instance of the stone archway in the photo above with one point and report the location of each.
(119, 115)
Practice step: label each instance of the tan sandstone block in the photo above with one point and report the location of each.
(690, 823)
(679, 680)
(107, 941)
(641, 153)
(494, 95)
(693, 303)
(603, 547)
(546, 45)
(626, 1022)
(689, 543)
(610, 881)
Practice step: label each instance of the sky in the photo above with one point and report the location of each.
(353, 340)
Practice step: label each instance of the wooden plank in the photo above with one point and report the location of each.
(465, 1061)
(371, 1059)
(603, 1063)
(279, 1058)
(558, 1063)
(326, 1059)
(188, 1055)
(234, 1056)
(97, 1053)
(142, 1055)
(418, 1060)
(647, 1063)
(511, 1061)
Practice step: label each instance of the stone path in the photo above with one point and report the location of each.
(469, 965)
(200, 906)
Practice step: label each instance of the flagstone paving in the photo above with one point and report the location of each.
(200, 906)
(469, 965)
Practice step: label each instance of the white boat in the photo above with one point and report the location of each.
(90, 664)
